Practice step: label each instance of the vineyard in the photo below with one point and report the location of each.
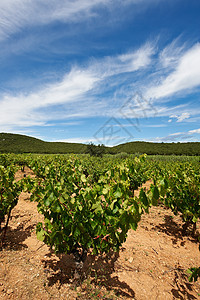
(83, 227)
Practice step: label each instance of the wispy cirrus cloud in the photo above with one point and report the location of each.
(125, 63)
(186, 76)
(18, 14)
(21, 109)
(25, 109)
(169, 57)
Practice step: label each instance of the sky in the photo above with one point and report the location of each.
(101, 71)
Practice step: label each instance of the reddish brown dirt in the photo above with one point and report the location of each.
(152, 263)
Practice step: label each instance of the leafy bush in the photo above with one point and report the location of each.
(94, 150)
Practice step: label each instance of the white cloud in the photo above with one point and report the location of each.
(18, 14)
(26, 109)
(20, 110)
(183, 117)
(155, 125)
(128, 62)
(195, 131)
(180, 118)
(170, 55)
(176, 133)
(138, 59)
(173, 137)
(179, 136)
(185, 77)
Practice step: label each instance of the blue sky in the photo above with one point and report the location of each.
(100, 71)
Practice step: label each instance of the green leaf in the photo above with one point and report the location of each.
(118, 193)
(62, 199)
(80, 207)
(194, 219)
(47, 202)
(83, 178)
(124, 218)
(72, 200)
(76, 232)
(40, 235)
(105, 191)
(112, 204)
(155, 195)
(57, 208)
(133, 225)
(124, 176)
(40, 232)
(97, 207)
(143, 197)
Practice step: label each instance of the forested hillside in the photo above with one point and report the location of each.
(159, 148)
(16, 143)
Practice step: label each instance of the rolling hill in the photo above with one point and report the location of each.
(17, 143)
(190, 148)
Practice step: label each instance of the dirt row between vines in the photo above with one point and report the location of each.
(152, 263)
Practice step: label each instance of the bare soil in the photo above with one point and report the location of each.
(152, 263)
